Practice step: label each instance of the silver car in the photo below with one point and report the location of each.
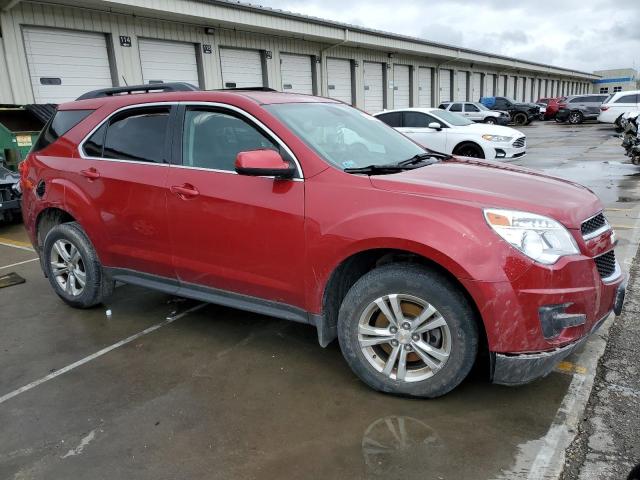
(477, 112)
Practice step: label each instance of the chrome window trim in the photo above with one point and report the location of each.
(606, 227)
(299, 177)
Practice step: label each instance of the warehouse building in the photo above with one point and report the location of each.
(54, 51)
(618, 80)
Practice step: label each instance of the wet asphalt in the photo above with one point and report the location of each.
(221, 393)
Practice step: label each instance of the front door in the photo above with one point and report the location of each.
(416, 126)
(233, 232)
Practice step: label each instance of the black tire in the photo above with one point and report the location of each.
(469, 149)
(97, 286)
(575, 118)
(438, 291)
(520, 119)
(491, 120)
(617, 124)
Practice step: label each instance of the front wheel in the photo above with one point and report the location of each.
(408, 330)
(491, 120)
(73, 268)
(520, 119)
(469, 150)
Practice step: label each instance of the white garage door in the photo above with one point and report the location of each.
(339, 79)
(424, 87)
(296, 73)
(373, 87)
(476, 85)
(461, 92)
(489, 85)
(64, 64)
(511, 87)
(164, 61)
(445, 85)
(401, 86)
(241, 68)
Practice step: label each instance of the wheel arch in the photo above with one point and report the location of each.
(352, 268)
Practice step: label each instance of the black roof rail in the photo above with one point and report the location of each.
(251, 89)
(151, 87)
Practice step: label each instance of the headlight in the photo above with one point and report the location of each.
(496, 138)
(539, 238)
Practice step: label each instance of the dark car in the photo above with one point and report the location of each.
(521, 113)
(578, 108)
(9, 194)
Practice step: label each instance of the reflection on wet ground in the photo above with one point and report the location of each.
(224, 394)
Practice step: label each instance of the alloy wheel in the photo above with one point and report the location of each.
(404, 337)
(67, 267)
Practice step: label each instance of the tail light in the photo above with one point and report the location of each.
(604, 108)
(562, 105)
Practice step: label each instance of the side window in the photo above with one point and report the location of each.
(577, 100)
(456, 107)
(212, 139)
(393, 119)
(442, 106)
(137, 135)
(60, 123)
(470, 107)
(627, 99)
(416, 120)
(95, 143)
(501, 103)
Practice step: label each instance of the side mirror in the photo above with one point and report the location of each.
(435, 126)
(263, 163)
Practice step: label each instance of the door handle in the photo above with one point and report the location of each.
(185, 191)
(90, 173)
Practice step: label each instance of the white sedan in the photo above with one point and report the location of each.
(448, 132)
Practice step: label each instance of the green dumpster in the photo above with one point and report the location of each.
(19, 129)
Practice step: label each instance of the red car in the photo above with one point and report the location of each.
(307, 209)
(553, 105)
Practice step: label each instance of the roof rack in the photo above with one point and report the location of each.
(151, 87)
(251, 89)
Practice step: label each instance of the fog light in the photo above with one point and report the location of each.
(500, 153)
(554, 319)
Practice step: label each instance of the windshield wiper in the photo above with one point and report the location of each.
(421, 157)
(378, 169)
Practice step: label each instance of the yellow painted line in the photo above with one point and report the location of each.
(7, 242)
(570, 367)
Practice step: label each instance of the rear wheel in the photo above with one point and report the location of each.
(469, 149)
(73, 268)
(407, 330)
(520, 119)
(575, 118)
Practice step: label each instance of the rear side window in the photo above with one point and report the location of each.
(60, 123)
(456, 107)
(136, 135)
(393, 119)
(627, 99)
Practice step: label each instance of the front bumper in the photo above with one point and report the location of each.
(519, 369)
(505, 151)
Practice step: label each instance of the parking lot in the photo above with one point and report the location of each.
(166, 388)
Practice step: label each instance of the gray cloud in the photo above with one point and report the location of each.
(582, 34)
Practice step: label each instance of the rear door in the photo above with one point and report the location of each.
(229, 232)
(123, 174)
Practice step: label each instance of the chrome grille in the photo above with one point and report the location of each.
(593, 224)
(606, 264)
(520, 142)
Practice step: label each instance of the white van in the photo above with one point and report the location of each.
(617, 104)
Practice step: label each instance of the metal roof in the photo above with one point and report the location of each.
(357, 28)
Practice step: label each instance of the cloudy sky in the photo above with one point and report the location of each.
(582, 34)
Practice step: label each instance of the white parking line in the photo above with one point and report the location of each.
(104, 351)
(20, 245)
(19, 263)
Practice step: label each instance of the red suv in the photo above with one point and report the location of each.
(310, 210)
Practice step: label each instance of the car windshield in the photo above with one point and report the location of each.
(451, 118)
(510, 100)
(344, 136)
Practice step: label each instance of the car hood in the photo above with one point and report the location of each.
(494, 184)
(488, 129)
